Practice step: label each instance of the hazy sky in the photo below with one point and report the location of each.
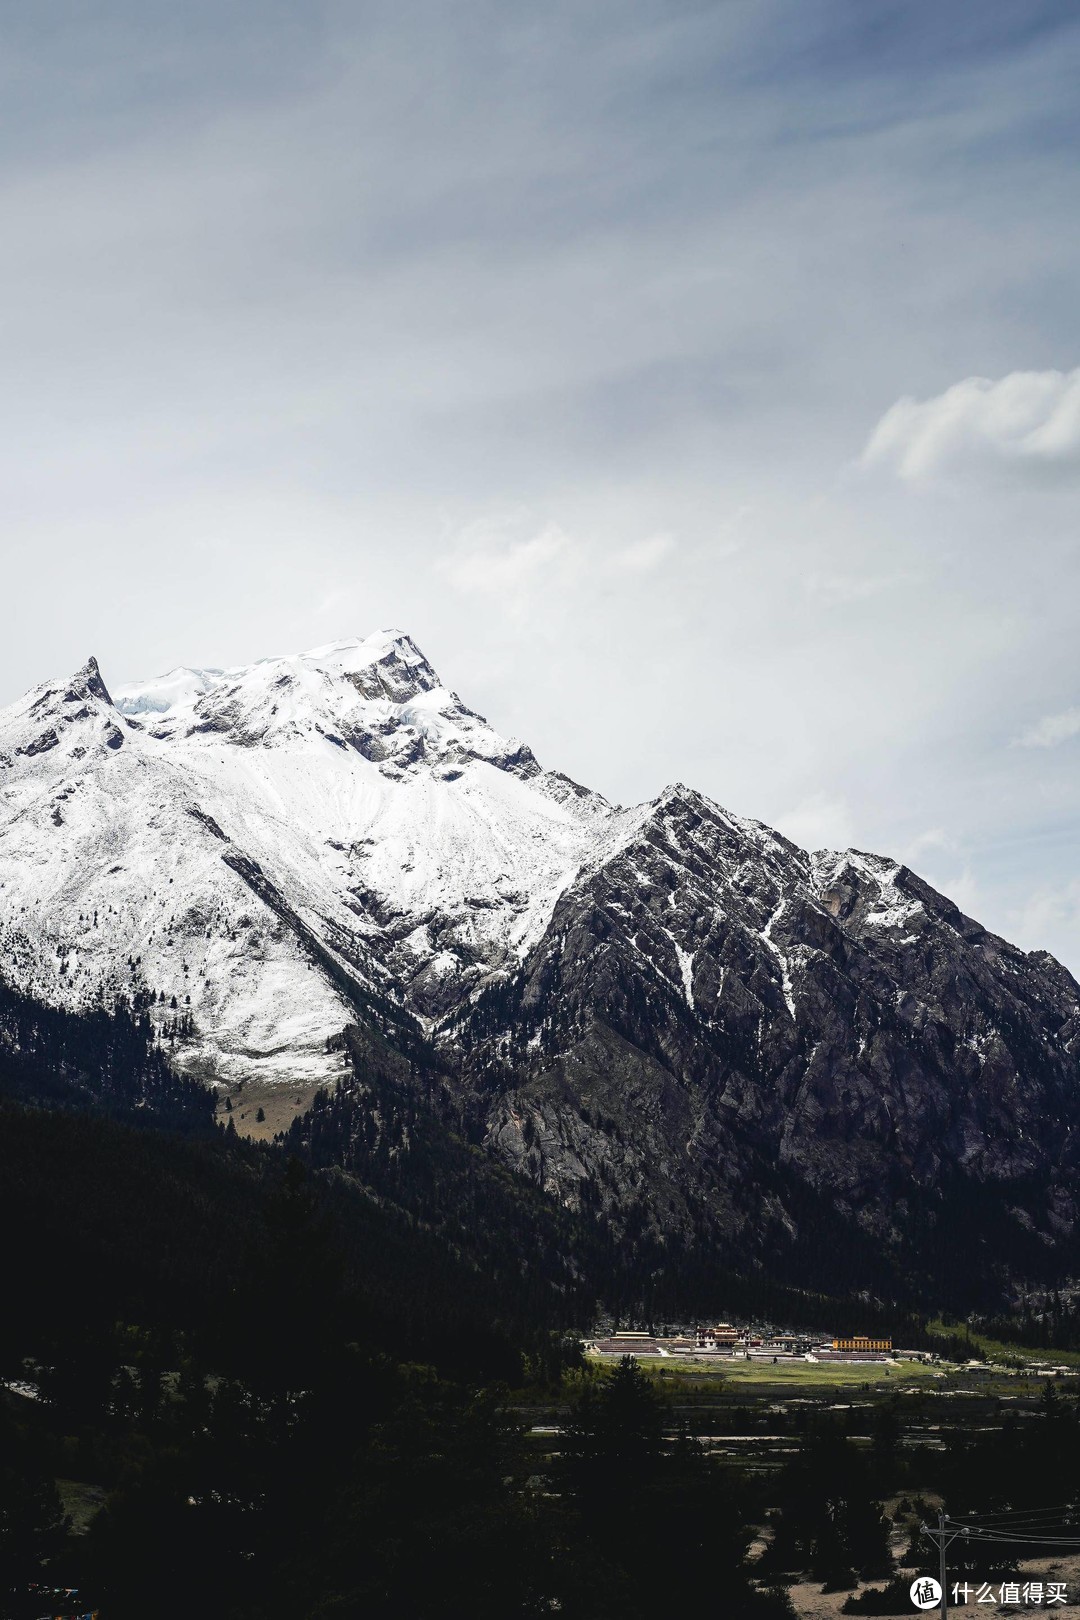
(695, 382)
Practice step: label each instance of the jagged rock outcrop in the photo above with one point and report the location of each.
(709, 999)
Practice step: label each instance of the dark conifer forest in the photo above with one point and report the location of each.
(293, 1395)
(296, 1379)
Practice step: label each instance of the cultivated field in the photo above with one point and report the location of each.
(789, 1375)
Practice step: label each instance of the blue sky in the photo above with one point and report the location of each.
(574, 340)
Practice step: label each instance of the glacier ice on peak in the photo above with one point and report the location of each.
(175, 690)
(180, 689)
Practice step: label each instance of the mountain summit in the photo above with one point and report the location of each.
(669, 1012)
(199, 836)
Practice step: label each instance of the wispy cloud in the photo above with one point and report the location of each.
(938, 856)
(304, 292)
(1026, 424)
(514, 559)
(644, 556)
(844, 588)
(820, 821)
(1052, 730)
(488, 562)
(932, 841)
(1050, 920)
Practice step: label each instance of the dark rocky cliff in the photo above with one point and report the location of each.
(716, 1027)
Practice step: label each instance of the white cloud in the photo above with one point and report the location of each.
(303, 324)
(844, 588)
(644, 555)
(1026, 423)
(963, 889)
(1049, 920)
(933, 839)
(487, 559)
(820, 821)
(938, 857)
(508, 558)
(1052, 730)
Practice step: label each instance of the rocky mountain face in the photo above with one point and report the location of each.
(667, 1015)
(714, 1017)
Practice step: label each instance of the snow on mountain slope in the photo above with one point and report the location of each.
(109, 883)
(203, 836)
(392, 815)
(643, 1009)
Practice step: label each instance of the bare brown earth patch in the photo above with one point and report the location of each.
(279, 1102)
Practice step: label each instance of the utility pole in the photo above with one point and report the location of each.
(941, 1538)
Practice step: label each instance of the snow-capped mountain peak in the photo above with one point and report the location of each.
(88, 682)
(379, 695)
(642, 998)
(67, 717)
(386, 664)
(255, 840)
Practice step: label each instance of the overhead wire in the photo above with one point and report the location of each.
(1013, 1513)
(1011, 1538)
(1034, 1527)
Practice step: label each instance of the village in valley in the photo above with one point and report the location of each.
(724, 1340)
(757, 1398)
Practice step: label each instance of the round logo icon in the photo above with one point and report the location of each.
(926, 1592)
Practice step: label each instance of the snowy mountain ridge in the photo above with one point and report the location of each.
(420, 847)
(326, 872)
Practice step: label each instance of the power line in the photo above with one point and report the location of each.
(1023, 1513)
(1047, 1517)
(1060, 1521)
(1026, 1532)
(1021, 1530)
(1021, 1539)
